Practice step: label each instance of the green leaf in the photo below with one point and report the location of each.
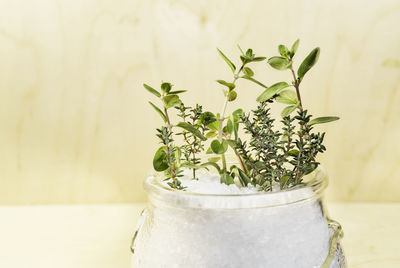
(211, 134)
(232, 95)
(159, 112)
(279, 63)
(166, 87)
(254, 80)
(227, 84)
(248, 71)
(229, 126)
(294, 47)
(152, 90)
(244, 179)
(213, 126)
(321, 120)
(215, 165)
(214, 159)
(160, 161)
(283, 50)
(236, 114)
(209, 151)
(293, 152)
(249, 53)
(219, 147)
(258, 58)
(241, 51)
(227, 179)
(171, 101)
(176, 92)
(288, 110)
(271, 91)
(228, 61)
(287, 97)
(308, 63)
(207, 118)
(191, 129)
(310, 168)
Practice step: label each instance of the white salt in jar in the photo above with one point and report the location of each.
(288, 228)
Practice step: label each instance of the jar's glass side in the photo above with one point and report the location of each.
(199, 236)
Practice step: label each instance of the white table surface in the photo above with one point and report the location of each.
(98, 236)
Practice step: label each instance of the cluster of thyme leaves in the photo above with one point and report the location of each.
(267, 156)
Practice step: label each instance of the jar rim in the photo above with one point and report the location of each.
(162, 195)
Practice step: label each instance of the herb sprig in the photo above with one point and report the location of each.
(269, 156)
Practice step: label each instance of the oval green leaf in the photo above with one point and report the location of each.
(308, 63)
(171, 101)
(271, 91)
(191, 129)
(288, 110)
(279, 63)
(228, 61)
(322, 120)
(248, 71)
(152, 90)
(287, 97)
(219, 147)
(160, 161)
(159, 111)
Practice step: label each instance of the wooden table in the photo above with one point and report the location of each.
(98, 236)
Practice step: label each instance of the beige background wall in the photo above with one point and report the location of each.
(75, 126)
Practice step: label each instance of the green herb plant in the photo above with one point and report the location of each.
(267, 156)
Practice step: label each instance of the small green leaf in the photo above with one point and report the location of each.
(258, 58)
(176, 92)
(191, 129)
(283, 50)
(321, 120)
(232, 95)
(227, 179)
(228, 61)
(287, 97)
(308, 63)
(214, 159)
(171, 101)
(241, 51)
(288, 110)
(227, 84)
(236, 114)
(294, 47)
(248, 71)
(207, 118)
(166, 87)
(152, 90)
(293, 152)
(159, 112)
(271, 91)
(215, 165)
(310, 168)
(219, 147)
(160, 161)
(209, 151)
(213, 126)
(254, 80)
(249, 53)
(211, 134)
(279, 63)
(229, 126)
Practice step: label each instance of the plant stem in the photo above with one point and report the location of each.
(221, 118)
(297, 87)
(172, 169)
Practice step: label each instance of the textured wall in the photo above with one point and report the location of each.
(75, 125)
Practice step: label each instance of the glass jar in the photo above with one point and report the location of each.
(288, 228)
